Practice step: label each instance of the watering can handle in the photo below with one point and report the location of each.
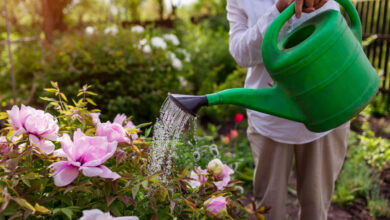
(271, 36)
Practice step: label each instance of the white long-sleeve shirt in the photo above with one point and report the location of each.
(249, 20)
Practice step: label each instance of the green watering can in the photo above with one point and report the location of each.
(321, 75)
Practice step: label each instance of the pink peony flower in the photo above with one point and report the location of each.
(221, 172)
(37, 123)
(96, 214)
(44, 145)
(239, 118)
(113, 132)
(86, 154)
(120, 118)
(95, 118)
(130, 125)
(216, 205)
(198, 177)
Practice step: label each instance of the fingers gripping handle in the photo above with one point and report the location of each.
(270, 41)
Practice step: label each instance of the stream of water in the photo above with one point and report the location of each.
(166, 134)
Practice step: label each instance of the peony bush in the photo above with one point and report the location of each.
(65, 163)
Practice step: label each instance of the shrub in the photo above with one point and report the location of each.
(127, 77)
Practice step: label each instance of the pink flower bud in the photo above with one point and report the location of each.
(233, 134)
(215, 167)
(216, 206)
(239, 118)
(96, 214)
(226, 140)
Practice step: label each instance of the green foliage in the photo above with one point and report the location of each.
(375, 150)
(377, 205)
(126, 79)
(355, 179)
(210, 56)
(224, 113)
(367, 156)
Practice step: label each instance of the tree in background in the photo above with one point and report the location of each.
(207, 7)
(160, 4)
(53, 17)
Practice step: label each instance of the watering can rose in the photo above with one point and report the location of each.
(86, 154)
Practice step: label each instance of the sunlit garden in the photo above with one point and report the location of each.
(82, 130)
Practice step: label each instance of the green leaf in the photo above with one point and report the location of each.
(51, 90)
(56, 210)
(54, 84)
(41, 209)
(144, 184)
(147, 131)
(45, 98)
(91, 93)
(144, 125)
(134, 191)
(22, 202)
(63, 96)
(176, 195)
(3, 115)
(91, 101)
(68, 212)
(26, 181)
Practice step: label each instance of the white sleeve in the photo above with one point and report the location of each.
(245, 42)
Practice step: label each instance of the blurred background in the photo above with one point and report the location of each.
(133, 52)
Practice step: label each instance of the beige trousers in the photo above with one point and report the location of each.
(318, 164)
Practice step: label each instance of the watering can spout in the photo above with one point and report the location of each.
(189, 103)
(269, 100)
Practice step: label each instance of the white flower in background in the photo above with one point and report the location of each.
(147, 49)
(172, 38)
(187, 56)
(184, 83)
(89, 30)
(114, 10)
(137, 29)
(158, 42)
(171, 55)
(176, 63)
(143, 42)
(113, 30)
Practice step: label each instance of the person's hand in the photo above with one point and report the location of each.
(310, 5)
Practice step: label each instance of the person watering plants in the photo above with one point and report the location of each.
(276, 141)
